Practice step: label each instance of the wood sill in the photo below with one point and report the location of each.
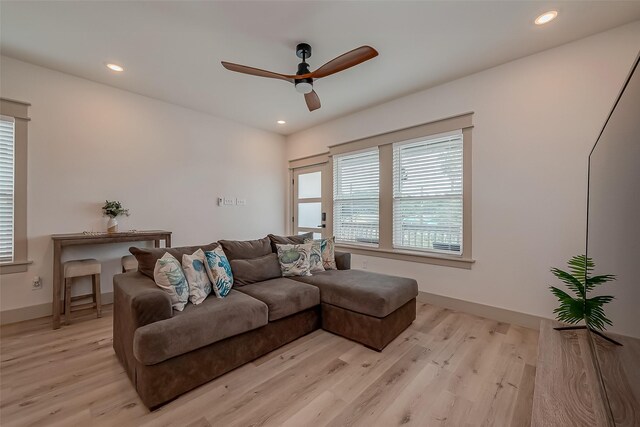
(14, 267)
(411, 256)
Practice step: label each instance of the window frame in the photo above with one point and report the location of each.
(384, 142)
(19, 111)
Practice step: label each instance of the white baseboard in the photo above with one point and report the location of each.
(37, 311)
(490, 312)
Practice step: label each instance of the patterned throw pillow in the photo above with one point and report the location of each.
(316, 256)
(170, 278)
(295, 260)
(194, 270)
(327, 249)
(219, 271)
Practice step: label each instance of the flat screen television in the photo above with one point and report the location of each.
(613, 207)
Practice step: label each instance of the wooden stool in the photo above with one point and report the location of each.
(129, 263)
(79, 268)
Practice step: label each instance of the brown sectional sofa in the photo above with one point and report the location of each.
(167, 353)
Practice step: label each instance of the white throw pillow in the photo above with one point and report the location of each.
(194, 269)
(219, 271)
(295, 260)
(170, 278)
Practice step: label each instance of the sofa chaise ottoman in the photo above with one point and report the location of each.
(166, 352)
(367, 307)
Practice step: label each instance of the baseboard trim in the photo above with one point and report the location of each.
(37, 311)
(482, 310)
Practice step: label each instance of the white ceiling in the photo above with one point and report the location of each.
(172, 50)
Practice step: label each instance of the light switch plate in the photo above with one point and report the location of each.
(229, 201)
(241, 202)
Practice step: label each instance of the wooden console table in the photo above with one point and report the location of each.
(75, 239)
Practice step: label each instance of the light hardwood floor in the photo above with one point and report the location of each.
(449, 368)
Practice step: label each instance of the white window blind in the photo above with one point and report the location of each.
(7, 138)
(427, 194)
(356, 190)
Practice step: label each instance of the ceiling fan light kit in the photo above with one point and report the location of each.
(303, 79)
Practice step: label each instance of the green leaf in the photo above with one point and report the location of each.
(594, 281)
(580, 267)
(574, 284)
(571, 310)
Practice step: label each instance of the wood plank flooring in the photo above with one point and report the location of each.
(448, 369)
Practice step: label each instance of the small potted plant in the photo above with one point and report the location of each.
(580, 307)
(113, 209)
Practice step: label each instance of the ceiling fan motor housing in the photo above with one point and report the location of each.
(304, 85)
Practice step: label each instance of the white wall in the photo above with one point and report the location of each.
(535, 120)
(89, 142)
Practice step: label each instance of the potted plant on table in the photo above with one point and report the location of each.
(113, 209)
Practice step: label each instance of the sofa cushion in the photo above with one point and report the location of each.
(288, 240)
(147, 257)
(343, 260)
(248, 271)
(197, 326)
(246, 249)
(364, 292)
(283, 296)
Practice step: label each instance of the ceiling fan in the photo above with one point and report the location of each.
(303, 79)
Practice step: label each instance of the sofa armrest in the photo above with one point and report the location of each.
(137, 301)
(138, 295)
(343, 260)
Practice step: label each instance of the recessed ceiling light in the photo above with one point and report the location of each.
(546, 17)
(115, 67)
(281, 122)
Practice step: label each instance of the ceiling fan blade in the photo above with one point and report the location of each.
(256, 71)
(313, 102)
(347, 60)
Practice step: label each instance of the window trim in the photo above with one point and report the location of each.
(19, 111)
(384, 142)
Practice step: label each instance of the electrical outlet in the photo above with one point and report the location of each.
(229, 201)
(365, 264)
(241, 202)
(37, 284)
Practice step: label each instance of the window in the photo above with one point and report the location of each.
(406, 194)
(427, 194)
(356, 197)
(7, 139)
(13, 186)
